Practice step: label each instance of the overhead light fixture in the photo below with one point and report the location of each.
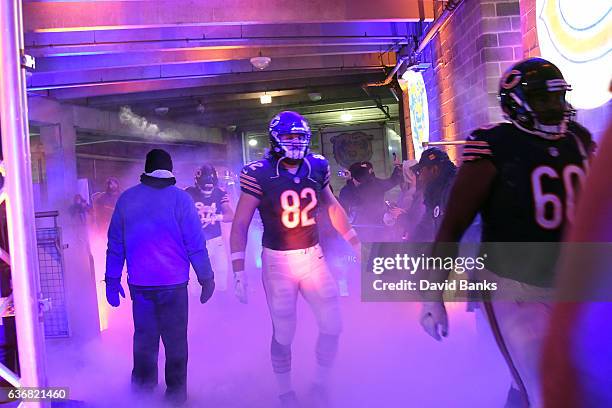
(346, 117)
(260, 62)
(265, 99)
(252, 142)
(314, 96)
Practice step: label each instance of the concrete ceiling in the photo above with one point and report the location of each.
(149, 54)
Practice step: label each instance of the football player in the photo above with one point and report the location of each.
(288, 187)
(212, 204)
(523, 178)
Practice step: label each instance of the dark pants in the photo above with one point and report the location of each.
(160, 313)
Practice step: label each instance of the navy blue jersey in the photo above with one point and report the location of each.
(532, 198)
(209, 208)
(288, 202)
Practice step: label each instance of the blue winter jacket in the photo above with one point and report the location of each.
(158, 232)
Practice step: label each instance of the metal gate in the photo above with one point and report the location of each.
(51, 269)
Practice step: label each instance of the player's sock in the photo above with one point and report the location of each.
(327, 348)
(281, 364)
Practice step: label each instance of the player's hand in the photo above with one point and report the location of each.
(434, 319)
(240, 286)
(357, 251)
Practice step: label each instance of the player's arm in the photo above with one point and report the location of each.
(240, 228)
(469, 192)
(226, 209)
(245, 209)
(339, 219)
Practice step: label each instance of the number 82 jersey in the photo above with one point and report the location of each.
(288, 202)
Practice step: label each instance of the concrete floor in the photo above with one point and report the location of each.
(385, 359)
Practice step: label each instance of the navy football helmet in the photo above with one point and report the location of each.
(206, 179)
(532, 96)
(289, 123)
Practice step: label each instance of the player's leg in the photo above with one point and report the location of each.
(520, 326)
(281, 294)
(320, 290)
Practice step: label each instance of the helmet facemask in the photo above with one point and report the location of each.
(294, 146)
(289, 135)
(206, 180)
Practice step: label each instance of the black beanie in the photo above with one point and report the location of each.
(158, 159)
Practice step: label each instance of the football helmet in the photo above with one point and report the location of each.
(289, 123)
(532, 96)
(206, 179)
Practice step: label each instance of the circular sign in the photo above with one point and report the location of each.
(576, 36)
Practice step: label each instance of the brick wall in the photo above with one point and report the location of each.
(531, 47)
(482, 39)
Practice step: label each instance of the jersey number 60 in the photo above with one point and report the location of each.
(553, 219)
(293, 215)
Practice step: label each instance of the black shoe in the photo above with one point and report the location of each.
(515, 398)
(143, 388)
(319, 396)
(289, 400)
(176, 397)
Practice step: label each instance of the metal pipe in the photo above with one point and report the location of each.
(19, 199)
(202, 76)
(438, 24)
(195, 144)
(446, 143)
(9, 376)
(389, 77)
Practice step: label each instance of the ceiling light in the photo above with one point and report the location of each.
(261, 62)
(265, 99)
(252, 142)
(314, 96)
(346, 117)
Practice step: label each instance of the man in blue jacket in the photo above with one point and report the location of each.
(156, 229)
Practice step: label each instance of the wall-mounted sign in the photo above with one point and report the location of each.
(352, 147)
(419, 110)
(577, 37)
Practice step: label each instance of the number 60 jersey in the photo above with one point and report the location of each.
(533, 196)
(288, 202)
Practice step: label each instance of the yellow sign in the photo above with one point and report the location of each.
(577, 37)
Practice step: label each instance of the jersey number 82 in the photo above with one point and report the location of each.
(293, 215)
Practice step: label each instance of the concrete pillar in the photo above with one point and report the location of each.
(59, 140)
(233, 140)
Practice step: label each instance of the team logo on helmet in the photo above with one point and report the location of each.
(517, 87)
(511, 79)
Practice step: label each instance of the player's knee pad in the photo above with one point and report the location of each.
(327, 348)
(330, 318)
(284, 330)
(281, 356)
(282, 299)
